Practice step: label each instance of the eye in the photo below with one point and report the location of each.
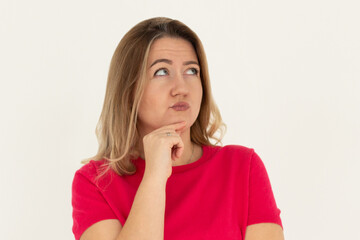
(192, 71)
(161, 72)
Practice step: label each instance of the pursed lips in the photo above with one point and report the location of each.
(180, 106)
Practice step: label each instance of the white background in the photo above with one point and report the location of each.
(285, 75)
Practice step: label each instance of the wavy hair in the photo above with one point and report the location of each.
(116, 129)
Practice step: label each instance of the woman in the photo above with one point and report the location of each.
(156, 175)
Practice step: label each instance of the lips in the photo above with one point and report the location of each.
(180, 106)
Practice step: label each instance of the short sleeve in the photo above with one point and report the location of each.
(89, 205)
(262, 205)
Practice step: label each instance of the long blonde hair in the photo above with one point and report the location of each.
(116, 130)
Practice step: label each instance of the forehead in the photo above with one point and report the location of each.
(168, 47)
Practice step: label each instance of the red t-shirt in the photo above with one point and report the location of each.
(215, 197)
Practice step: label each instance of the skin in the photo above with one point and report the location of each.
(167, 84)
(175, 82)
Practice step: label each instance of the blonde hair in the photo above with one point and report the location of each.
(117, 130)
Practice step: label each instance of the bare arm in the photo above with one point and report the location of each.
(146, 217)
(264, 231)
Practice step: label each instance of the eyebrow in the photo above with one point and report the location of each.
(168, 61)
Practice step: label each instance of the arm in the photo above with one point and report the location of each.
(145, 220)
(264, 231)
(147, 213)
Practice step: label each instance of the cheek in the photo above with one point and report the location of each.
(199, 93)
(154, 95)
(152, 99)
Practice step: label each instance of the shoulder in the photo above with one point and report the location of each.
(235, 156)
(238, 148)
(92, 166)
(235, 151)
(92, 170)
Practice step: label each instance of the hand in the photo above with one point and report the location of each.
(160, 150)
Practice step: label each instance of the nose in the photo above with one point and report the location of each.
(179, 86)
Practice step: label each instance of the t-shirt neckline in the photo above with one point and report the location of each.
(139, 162)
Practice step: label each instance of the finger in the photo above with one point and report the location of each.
(178, 147)
(177, 127)
(179, 152)
(174, 126)
(175, 153)
(180, 126)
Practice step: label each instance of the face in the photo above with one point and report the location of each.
(173, 75)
